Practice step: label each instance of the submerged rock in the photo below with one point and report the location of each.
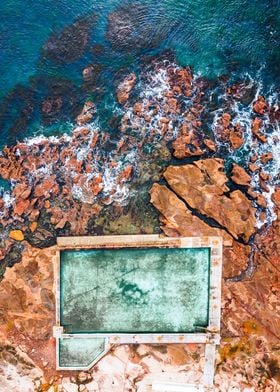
(131, 28)
(70, 44)
(243, 92)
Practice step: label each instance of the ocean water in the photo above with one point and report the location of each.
(215, 37)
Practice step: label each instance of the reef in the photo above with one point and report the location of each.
(129, 28)
(210, 169)
(70, 44)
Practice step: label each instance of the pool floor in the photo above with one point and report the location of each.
(147, 290)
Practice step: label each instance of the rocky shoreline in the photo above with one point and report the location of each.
(211, 169)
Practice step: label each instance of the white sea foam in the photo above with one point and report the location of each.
(153, 85)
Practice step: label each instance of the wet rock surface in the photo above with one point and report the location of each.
(125, 87)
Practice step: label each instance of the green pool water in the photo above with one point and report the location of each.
(152, 290)
(79, 352)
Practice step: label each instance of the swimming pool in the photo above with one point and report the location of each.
(135, 289)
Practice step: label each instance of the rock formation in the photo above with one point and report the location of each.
(70, 44)
(202, 185)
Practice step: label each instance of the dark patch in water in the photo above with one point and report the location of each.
(131, 293)
(70, 44)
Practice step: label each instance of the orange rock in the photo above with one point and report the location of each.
(125, 87)
(61, 223)
(202, 185)
(210, 144)
(264, 186)
(164, 120)
(177, 220)
(87, 113)
(113, 165)
(256, 130)
(21, 206)
(276, 197)
(96, 185)
(94, 140)
(268, 156)
(236, 138)
(172, 105)
(261, 201)
(45, 187)
(177, 354)
(137, 108)
(10, 167)
(240, 176)
(16, 235)
(264, 176)
(33, 226)
(253, 167)
(57, 215)
(260, 105)
(22, 190)
(262, 216)
(252, 193)
(186, 146)
(226, 117)
(251, 327)
(254, 158)
(34, 215)
(126, 174)
(235, 259)
(120, 145)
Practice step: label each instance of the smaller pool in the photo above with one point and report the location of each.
(79, 352)
(134, 290)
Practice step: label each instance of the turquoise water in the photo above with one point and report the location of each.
(214, 36)
(134, 290)
(79, 352)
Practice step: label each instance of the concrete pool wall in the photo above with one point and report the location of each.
(99, 343)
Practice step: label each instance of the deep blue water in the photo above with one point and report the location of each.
(213, 36)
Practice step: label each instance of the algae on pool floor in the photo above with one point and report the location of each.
(152, 290)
